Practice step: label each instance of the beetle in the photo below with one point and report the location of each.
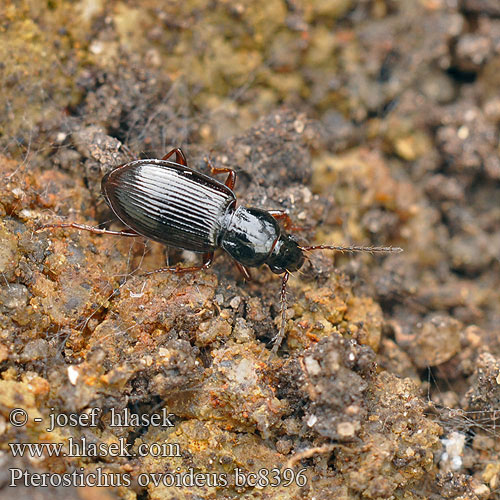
(168, 202)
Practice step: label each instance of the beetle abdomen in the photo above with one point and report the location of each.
(169, 203)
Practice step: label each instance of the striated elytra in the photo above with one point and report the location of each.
(179, 207)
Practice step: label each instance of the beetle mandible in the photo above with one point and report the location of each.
(169, 202)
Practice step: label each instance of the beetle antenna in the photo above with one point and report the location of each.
(353, 248)
(281, 334)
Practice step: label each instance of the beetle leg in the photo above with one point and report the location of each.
(244, 271)
(92, 229)
(180, 158)
(231, 178)
(287, 221)
(208, 259)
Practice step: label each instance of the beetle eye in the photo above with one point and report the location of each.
(277, 270)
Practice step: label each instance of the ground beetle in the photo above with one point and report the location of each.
(167, 201)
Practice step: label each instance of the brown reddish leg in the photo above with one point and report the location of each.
(208, 259)
(244, 271)
(91, 229)
(180, 158)
(285, 218)
(231, 178)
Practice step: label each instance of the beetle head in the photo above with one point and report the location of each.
(286, 255)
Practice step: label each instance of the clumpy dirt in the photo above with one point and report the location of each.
(370, 122)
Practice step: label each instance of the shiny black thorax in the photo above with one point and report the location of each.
(180, 207)
(253, 237)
